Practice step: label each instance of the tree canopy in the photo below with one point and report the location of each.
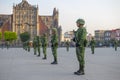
(24, 36)
(0, 35)
(10, 36)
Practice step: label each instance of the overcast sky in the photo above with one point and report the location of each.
(98, 14)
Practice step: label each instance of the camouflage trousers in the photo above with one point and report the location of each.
(92, 49)
(44, 51)
(80, 55)
(54, 52)
(67, 48)
(115, 48)
(37, 49)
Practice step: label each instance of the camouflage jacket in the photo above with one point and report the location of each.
(54, 40)
(44, 41)
(81, 36)
(92, 43)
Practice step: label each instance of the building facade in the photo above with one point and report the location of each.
(89, 37)
(115, 34)
(5, 23)
(68, 36)
(107, 38)
(107, 35)
(99, 35)
(25, 18)
(118, 34)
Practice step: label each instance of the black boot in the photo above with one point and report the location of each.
(78, 71)
(82, 71)
(34, 53)
(44, 57)
(38, 55)
(55, 61)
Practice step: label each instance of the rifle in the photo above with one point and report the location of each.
(74, 39)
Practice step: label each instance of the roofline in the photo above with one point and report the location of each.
(45, 15)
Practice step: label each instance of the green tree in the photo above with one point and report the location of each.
(0, 35)
(25, 36)
(12, 36)
(6, 36)
(9, 37)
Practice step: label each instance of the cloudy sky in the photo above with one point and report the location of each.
(98, 14)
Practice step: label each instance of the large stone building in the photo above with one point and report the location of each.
(107, 35)
(99, 35)
(25, 17)
(68, 36)
(115, 34)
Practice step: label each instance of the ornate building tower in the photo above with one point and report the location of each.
(55, 23)
(25, 19)
(47, 22)
(55, 18)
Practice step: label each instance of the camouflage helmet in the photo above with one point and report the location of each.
(80, 21)
(54, 29)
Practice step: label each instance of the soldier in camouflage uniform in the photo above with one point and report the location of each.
(67, 45)
(80, 39)
(54, 45)
(35, 45)
(26, 46)
(44, 45)
(28, 43)
(7, 44)
(92, 44)
(38, 45)
(115, 44)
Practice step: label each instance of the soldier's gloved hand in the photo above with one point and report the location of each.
(74, 39)
(52, 45)
(77, 45)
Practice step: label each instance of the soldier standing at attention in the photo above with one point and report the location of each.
(38, 45)
(92, 44)
(44, 45)
(54, 45)
(115, 44)
(28, 45)
(67, 45)
(80, 37)
(35, 45)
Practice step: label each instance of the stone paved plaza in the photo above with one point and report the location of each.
(17, 64)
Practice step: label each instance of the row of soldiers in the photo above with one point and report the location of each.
(93, 43)
(37, 43)
(42, 41)
(79, 39)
